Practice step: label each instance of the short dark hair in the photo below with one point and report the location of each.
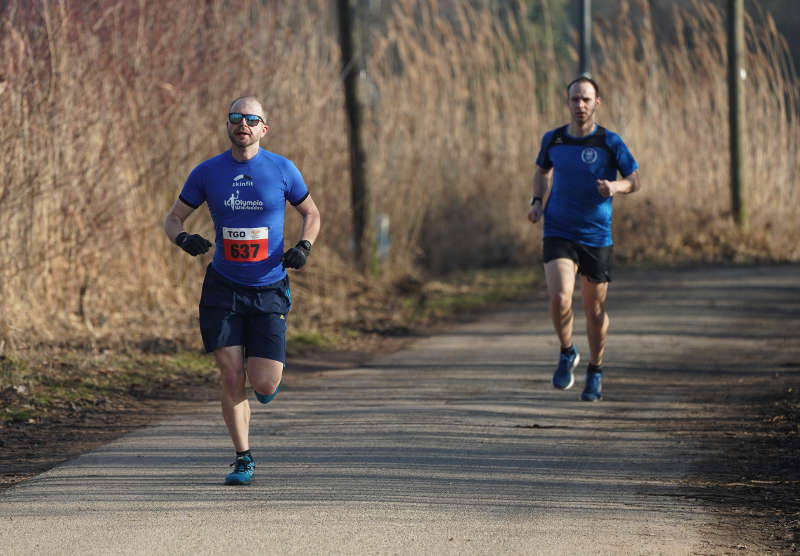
(586, 78)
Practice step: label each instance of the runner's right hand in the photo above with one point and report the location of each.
(535, 213)
(194, 244)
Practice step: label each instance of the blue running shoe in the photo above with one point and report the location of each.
(562, 378)
(243, 470)
(593, 391)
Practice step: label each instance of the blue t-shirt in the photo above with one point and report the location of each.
(247, 202)
(575, 210)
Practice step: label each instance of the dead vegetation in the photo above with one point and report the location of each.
(108, 105)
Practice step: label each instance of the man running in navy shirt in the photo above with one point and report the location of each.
(579, 163)
(246, 296)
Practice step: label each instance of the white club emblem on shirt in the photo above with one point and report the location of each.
(589, 155)
(235, 203)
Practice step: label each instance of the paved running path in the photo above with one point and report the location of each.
(456, 445)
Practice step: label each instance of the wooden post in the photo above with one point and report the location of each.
(355, 107)
(585, 26)
(736, 77)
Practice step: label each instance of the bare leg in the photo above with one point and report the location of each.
(560, 276)
(265, 374)
(597, 320)
(235, 406)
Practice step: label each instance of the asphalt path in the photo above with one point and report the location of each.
(457, 444)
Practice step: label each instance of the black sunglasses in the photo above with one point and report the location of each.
(251, 119)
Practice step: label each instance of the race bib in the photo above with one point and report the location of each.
(245, 244)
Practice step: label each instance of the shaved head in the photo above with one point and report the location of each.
(248, 104)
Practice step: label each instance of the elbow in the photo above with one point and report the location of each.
(316, 223)
(635, 182)
(314, 219)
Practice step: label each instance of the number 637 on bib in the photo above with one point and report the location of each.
(245, 244)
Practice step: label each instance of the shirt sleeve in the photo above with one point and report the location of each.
(296, 190)
(625, 161)
(543, 159)
(193, 192)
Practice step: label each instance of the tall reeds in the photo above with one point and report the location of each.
(108, 105)
(669, 99)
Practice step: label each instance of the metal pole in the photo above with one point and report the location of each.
(736, 77)
(585, 26)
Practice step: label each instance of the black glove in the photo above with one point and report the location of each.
(194, 244)
(296, 256)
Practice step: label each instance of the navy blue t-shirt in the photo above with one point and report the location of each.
(575, 210)
(247, 202)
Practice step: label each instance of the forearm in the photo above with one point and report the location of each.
(310, 228)
(628, 184)
(177, 215)
(173, 226)
(541, 184)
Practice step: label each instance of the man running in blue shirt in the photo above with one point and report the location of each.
(579, 163)
(246, 297)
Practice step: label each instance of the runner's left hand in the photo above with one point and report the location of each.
(297, 255)
(606, 188)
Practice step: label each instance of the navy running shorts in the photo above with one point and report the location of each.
(593, 262)
(251, 316)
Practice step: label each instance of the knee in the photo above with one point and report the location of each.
(265, 384)
(595, 312)
(232, 381)
(561, 302)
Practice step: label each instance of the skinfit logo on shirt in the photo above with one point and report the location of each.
(242, 180)
(241, 204)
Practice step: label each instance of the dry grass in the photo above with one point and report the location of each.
(672, 108)
(108, 105)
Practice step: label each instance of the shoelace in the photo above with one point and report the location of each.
(241, 465)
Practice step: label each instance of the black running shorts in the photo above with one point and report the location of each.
(593, 262)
